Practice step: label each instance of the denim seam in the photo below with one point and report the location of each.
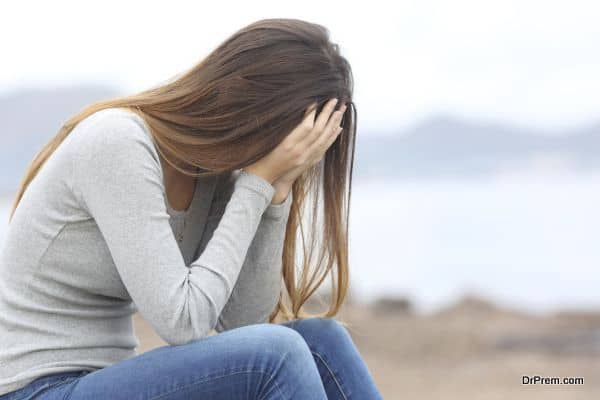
(204, 378)
(331, 372)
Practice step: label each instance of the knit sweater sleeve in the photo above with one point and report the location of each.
(257, 289)
(118, 180)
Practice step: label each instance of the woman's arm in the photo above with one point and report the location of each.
(257, 289)
(118, 179)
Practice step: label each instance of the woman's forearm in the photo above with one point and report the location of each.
(257, 288)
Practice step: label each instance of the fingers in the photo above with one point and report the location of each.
(325, 115)
(305, 126)
(311, 136)
(330, 133)
(335, 133)
(330, 139)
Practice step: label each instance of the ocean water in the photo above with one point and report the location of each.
(527, 242)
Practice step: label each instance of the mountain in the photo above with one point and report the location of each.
(31, 117)
(444, 146)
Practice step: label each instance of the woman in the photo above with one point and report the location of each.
(183, 203)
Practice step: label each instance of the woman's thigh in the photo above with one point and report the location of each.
(260, 361)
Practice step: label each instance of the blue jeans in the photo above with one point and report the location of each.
(315, 359)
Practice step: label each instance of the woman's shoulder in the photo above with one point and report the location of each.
(100, 124)
(112, 132)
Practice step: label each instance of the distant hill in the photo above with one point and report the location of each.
(444, 146)
(439, 147)
(31, 117)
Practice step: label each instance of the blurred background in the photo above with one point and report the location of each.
(474, 225)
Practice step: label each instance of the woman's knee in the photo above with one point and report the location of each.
(272, 343)
(285, 355)
(282, 341)
(323, 330)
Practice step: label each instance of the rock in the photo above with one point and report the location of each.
(392, 305)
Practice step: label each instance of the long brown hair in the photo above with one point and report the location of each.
(234, 107)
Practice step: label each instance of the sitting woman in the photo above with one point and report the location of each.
(183, 203)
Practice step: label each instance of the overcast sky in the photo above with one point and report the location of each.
(531, 63)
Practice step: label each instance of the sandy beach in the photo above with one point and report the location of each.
(470, 350)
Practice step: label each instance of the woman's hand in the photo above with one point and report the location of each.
(301, 149)
(329, 129)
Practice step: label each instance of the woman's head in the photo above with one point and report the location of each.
(233, 108)
(243, 98)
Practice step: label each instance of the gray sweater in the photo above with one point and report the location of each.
(94, 240)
